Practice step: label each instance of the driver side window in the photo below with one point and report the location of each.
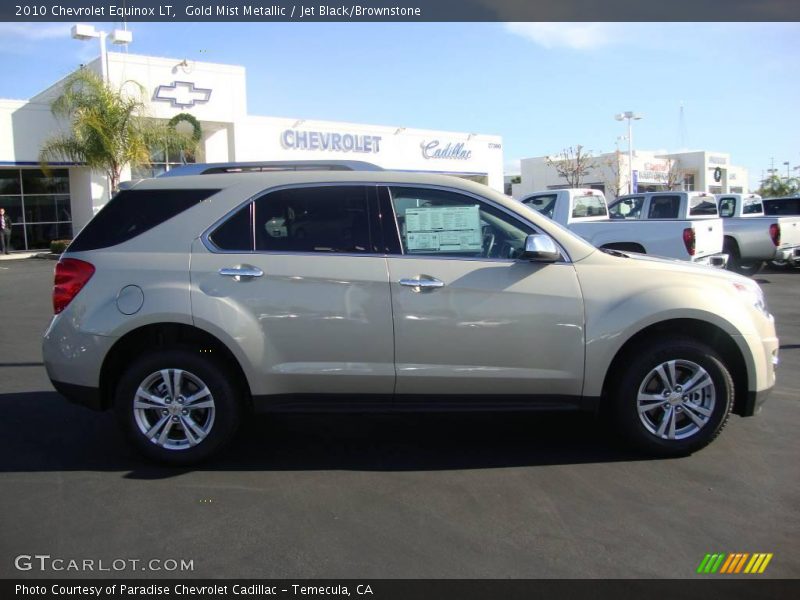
(441, 223)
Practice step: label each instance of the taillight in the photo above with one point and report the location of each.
(689, 240)
(71, 275)
(775, 233)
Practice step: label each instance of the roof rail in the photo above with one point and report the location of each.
(267, 166)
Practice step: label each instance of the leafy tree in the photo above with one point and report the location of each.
(773, 187)
(108, 128)
(613, 179)
(675, 174)
(573, 164)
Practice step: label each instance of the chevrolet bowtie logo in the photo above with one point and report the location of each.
(182, 94)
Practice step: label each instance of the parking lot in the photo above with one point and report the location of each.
(398, 496)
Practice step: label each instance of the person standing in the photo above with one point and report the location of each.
(5, 231)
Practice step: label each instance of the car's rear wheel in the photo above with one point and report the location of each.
(177, 406)
(674, 398)
(748, 268)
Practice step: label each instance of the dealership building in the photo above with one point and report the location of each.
(58, 204)
(699, 170)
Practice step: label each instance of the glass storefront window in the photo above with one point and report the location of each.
(34, 181)
(10, 182)
(38, 204)
(41, 234)
(13, 206)
(40, 208)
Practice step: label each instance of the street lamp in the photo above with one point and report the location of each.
(629, 115)
(786, 164)
(120, 37)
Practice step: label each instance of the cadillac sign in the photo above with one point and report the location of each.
(434, 150)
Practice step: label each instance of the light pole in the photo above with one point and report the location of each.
(120, 37)
(786, 163)
(629, 115)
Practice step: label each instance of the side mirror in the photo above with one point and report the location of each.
(540, 248)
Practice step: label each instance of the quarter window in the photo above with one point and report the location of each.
(132, 212)
(441, 223)
(235, 234)
(315, 219)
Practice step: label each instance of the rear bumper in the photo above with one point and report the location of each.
(79, 394)
(790, 254)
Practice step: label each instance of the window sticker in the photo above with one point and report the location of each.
(444, 228)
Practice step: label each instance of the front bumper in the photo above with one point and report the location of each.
(765, 352)
(719, 260)
(80, 394)
(753, 403)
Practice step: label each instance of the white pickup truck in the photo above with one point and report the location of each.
(585, 212)
(751, 238)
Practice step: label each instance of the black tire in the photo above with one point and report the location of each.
(748, 268)
(640, 374)
(220, 421)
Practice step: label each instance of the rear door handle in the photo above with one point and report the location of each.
(241, 273)
(422, 283)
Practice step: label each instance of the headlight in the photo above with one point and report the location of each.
(754, 295)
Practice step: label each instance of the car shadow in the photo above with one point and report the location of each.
(40, 431)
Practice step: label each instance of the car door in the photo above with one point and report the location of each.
(470, 318)
(294, 280)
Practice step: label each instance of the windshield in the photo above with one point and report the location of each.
(545, 204)
(589, 206)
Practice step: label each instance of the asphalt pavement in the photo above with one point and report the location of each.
(406, 496)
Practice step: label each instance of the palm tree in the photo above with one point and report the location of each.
(108, 128)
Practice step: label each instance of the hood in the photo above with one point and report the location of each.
(672, 265)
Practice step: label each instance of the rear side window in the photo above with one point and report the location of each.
(783, 206)
(132, 212)
(314, 219)
(664, 207)
(702, 206)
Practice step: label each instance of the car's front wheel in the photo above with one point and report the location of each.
(674, 398)
(177, 406)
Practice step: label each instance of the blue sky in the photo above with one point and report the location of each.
(541, 86)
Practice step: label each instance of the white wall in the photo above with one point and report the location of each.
(652, 167)
(225, 85)
(88, 192)
(24, 126)
(262, 138)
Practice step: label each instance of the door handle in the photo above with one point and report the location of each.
(241, 273)
(422, 283)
